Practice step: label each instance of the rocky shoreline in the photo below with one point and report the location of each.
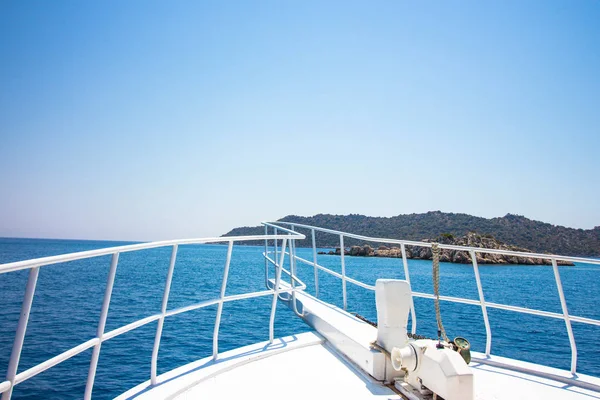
(453, 256)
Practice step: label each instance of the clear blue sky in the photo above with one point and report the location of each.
(143, 120)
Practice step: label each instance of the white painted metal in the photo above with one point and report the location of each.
(129, 327)
(161, 320)
(563, 304)
(191, 307)
(442, 246)
(276, 289)
(404, 357)
(447, 298)
(15, 355)
(38, 262)
(275, 245)
(220, 306)
(588, 321)
(101, 325)
(33, 371)
(336, 274)
(537, 373)
(413, 314)
(315, 262)
(392, 300)
(344, 296)
(288, 273)
(292, 277)
(523, 310)
(481, 303)
(294, 234)
(292, 253)
(443, 371)
(351, 337)
(488, 329)
(6, 387)
(344, 332)
(266, 261)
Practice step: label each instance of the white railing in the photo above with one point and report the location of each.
(13, 377)
(472, 251)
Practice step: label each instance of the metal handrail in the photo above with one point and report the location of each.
(440, 245)
(13, 378)
(472, 251)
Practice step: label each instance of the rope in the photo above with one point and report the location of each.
(435, 250)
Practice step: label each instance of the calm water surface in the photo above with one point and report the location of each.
(69, 296)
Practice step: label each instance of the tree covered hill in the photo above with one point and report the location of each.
(512, 229)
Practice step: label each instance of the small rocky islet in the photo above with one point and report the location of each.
(471, 239)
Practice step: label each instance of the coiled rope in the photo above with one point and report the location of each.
(435, 251)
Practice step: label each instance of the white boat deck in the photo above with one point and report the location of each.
(312, 366)
(304, 366)
(313, 372)
(493, 382)
(298, 367)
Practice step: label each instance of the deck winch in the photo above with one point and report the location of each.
(427, 365)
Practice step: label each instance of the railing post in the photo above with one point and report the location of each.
(276, 292)
(266, 255)
(314, 246)
(161, 321)
(488, 330)
(413, 314)
(343, 272)
(101, 325)
(275, 241)
(292, 269)
(15, 355)
(563, 304)
(220, 306)
(292, 251)
(293, 276)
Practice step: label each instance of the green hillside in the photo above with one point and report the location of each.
(512, 229)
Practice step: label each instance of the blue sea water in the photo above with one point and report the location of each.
(68, 299)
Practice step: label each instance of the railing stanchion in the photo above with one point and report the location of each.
(293, 277)
(293, 269)
(343, 272)
(161, 321)
(15, 355)
(275, 241)
(292, 273)
(292, 251)
(563, 304)
(220, 306)
(276, 292)
(266, 255)
(101, 325)
(413, 314)
(314, 246)
(486, 321)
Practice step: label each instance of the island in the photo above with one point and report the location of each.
(540, 237)
(471, 239)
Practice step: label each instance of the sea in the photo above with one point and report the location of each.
(68, 299)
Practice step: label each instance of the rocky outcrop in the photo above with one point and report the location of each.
(471, 239)
(515, 229)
